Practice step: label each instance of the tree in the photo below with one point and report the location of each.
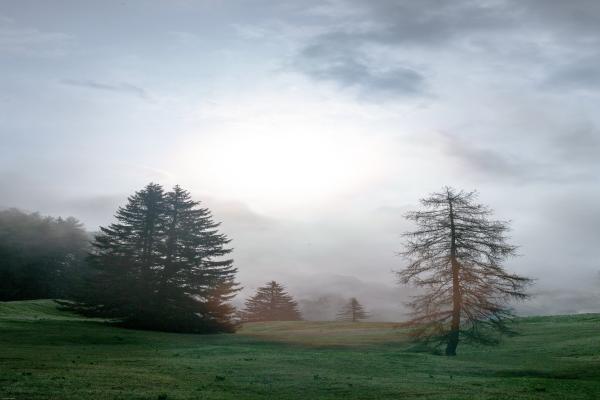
(161, 266)
(352, 311)
(195, 277)
(271, 303)
(456, 255)
(124, 257)
(40, 257)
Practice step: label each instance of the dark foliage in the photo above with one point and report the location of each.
(271, 303)
(352, 311)
(161, 266)
(40, 257)
(455, 255)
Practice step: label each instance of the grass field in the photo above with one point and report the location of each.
(49, 354)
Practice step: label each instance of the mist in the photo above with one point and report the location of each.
(310, 130)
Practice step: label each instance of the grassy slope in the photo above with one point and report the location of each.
(45, 353)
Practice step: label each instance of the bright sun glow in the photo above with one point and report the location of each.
(277, 169)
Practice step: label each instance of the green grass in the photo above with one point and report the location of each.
(48, 354)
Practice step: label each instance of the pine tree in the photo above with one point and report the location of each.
(195, 278)
(160, 266)
(125, 258)
(352, 311)
(455, 256)
(271, 303)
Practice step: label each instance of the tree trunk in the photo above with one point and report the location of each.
(456, 305)
(453, 336)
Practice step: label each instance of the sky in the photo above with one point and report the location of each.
(310, 128)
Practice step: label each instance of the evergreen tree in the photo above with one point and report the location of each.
(456, 255)
(125, 259)
(196, 282)
(159, 266)
(271, 303)
(352, 311)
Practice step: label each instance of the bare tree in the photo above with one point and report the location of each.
(352, 311)
(456, 254)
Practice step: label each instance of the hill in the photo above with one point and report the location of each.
(48, 354)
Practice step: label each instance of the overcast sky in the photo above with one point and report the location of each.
(310, 128)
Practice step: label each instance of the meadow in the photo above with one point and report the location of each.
(46, 353)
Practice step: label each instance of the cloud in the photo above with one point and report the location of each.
(31, 42)
(579, 144)
(510, 165)
(428, 22)
(484, 162)
(576, 21)
(123, 87)
(582, 75)
(379, 46)
(362, 48)
(325, 61)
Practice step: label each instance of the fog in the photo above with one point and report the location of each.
(310, 129)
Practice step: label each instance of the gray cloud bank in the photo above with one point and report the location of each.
(392, 46)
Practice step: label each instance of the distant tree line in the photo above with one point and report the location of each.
(40, 257)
